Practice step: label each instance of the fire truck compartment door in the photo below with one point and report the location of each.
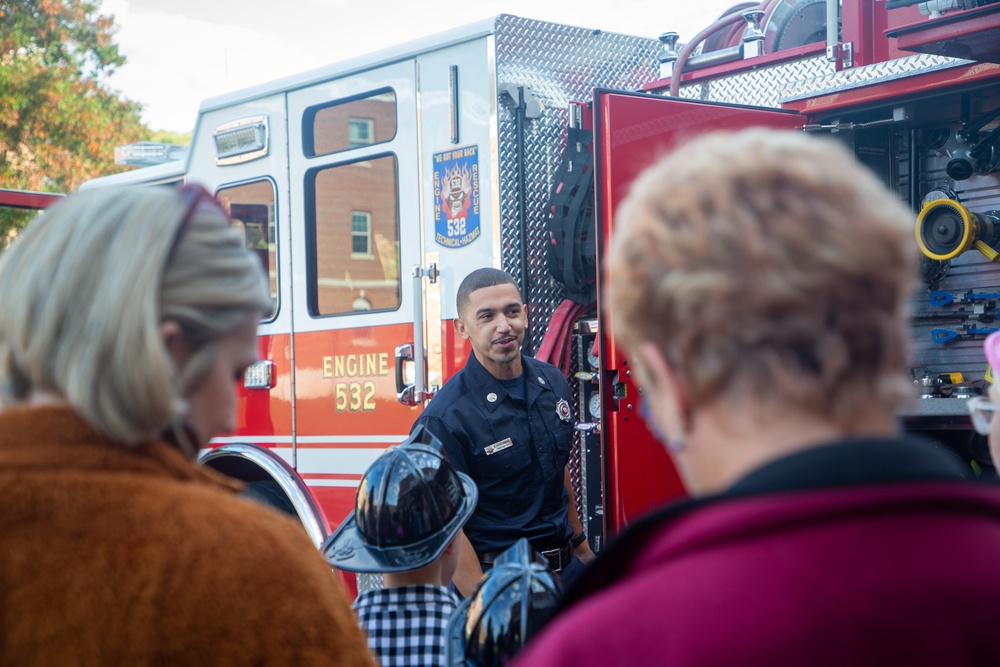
(631, 132)
(354, 186)
(353, 164)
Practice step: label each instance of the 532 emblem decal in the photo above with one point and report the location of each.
(456, 197)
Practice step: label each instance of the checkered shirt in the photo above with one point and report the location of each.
(407, 625)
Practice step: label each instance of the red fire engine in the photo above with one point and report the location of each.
(371, 187)
(18, 206)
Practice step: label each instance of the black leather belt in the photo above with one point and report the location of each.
(558, 558)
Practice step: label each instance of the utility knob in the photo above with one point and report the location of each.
(753, 36)
(669, 55)
(669, 40)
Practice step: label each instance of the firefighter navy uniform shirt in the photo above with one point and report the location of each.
(514, 440)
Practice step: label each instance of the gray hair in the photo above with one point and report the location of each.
(768, 263)
(85, 288)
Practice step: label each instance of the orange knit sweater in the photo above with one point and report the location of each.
(115, 556)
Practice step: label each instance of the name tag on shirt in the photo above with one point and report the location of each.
(498, 446)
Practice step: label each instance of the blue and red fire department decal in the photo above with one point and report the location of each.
(456, 197)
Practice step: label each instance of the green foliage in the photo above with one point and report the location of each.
(11, 220)
(168, 137)
(59, 121)
(60, 33)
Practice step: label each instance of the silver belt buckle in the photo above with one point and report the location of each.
(558, 554)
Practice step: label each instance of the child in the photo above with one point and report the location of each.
(409, 508)
(508, 606)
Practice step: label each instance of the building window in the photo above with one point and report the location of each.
(350, 123)
(360, 132)
(361, 234)
(354, 245)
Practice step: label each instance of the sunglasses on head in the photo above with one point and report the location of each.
(196, 198)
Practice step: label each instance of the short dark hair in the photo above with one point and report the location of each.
(478, 279)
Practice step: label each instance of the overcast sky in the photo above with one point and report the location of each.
(182, 51)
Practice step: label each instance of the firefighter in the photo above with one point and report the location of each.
(759, 284)
(505, 420)
(126, 315)
(410, 506)
(508, 605)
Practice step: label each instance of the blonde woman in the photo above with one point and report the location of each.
(760, 283)
(125, 317)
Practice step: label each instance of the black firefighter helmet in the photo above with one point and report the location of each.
(509, 604)
(410, 504)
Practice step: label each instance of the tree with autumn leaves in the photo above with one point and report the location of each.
(59, 120)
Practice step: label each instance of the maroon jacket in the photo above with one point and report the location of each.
(859, 553)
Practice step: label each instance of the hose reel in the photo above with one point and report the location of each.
(945, 229)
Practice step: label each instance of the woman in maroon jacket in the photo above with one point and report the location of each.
(760, 282)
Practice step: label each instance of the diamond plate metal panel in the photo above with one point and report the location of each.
(577, 463)
(900, 68)
(558, 64)
(369, 582)
(762, 87)
(808, 77)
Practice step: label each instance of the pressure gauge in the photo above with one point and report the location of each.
(594, 406)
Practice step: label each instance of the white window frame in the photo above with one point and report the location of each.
(367, 235)
(368, 124)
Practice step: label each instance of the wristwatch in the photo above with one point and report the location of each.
(577, 540)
